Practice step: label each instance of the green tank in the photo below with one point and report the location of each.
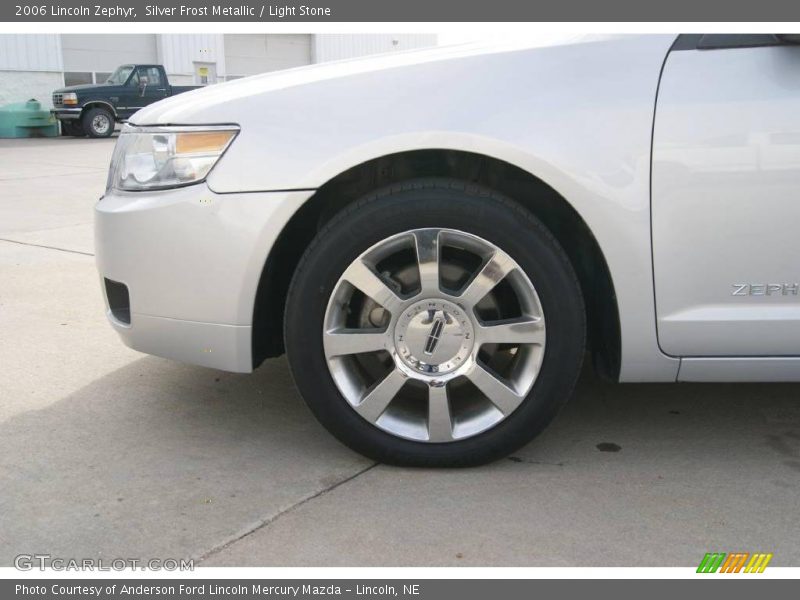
(26, 119)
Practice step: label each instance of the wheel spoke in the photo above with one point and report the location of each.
(353, 341)
(380, 395)
(492, 273)
(427, 245)
(440, 424)
(434, 337)
(365, 279)
(529, 330)
(502, 396)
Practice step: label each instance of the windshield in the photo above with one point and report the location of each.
(120, 76)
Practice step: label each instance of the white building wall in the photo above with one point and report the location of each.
(105, 52)
(20, 86)
(30, 52)
(30, 67)
(249, 54)
(179, 52)
(329, 46)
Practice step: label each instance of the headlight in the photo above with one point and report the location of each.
(152, 158)
(70, 98)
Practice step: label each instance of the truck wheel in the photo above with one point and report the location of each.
(435, 323)
(72, 128)
(98, 123)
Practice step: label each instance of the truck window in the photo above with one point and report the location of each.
(152, 75)
(120, 75)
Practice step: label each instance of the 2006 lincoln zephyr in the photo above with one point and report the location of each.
(436, 238)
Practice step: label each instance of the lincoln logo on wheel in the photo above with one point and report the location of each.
(434, 335)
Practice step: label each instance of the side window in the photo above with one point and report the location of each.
(134, 82)
(153, 76)
(149, 75)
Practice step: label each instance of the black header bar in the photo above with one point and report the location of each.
(318, 11)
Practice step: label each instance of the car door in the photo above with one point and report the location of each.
(726, 197)
(145, 86)
(152, 86)
(126, 98)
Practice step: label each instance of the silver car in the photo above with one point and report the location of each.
(436, 239)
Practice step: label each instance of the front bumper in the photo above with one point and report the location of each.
(191, 260)
(66, 114)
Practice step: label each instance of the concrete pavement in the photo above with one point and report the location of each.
(107, 452)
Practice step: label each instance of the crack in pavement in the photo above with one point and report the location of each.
(41, 229)
(266, 522)
(89, 171)
(70, 165)
(47, 247)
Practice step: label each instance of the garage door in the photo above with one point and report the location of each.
(249, 54)
(105, 52)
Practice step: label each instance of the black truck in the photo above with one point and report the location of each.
(93, 109)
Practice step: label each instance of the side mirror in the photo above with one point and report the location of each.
(789, 38)
(142, 85)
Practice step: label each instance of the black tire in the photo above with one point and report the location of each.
(456, 205)
(72, 128)
(91, 123)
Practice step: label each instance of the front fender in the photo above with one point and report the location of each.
(578, 117)
(91, 102)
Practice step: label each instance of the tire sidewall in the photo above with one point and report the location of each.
(472, 210)
(89, 117)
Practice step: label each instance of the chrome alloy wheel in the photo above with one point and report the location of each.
(101, 124)
(434, 335)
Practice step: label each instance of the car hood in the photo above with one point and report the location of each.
(201, 106)
(81, 88)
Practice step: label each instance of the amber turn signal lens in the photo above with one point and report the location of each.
(195, 142)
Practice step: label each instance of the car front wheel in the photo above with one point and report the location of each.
(98, 123)
(435, 324)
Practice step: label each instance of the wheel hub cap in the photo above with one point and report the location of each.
(406, 344)
(433, 337)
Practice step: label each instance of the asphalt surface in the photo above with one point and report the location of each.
(107, 452)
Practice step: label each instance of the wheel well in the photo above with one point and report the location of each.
(545, 203)
(107, 107)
